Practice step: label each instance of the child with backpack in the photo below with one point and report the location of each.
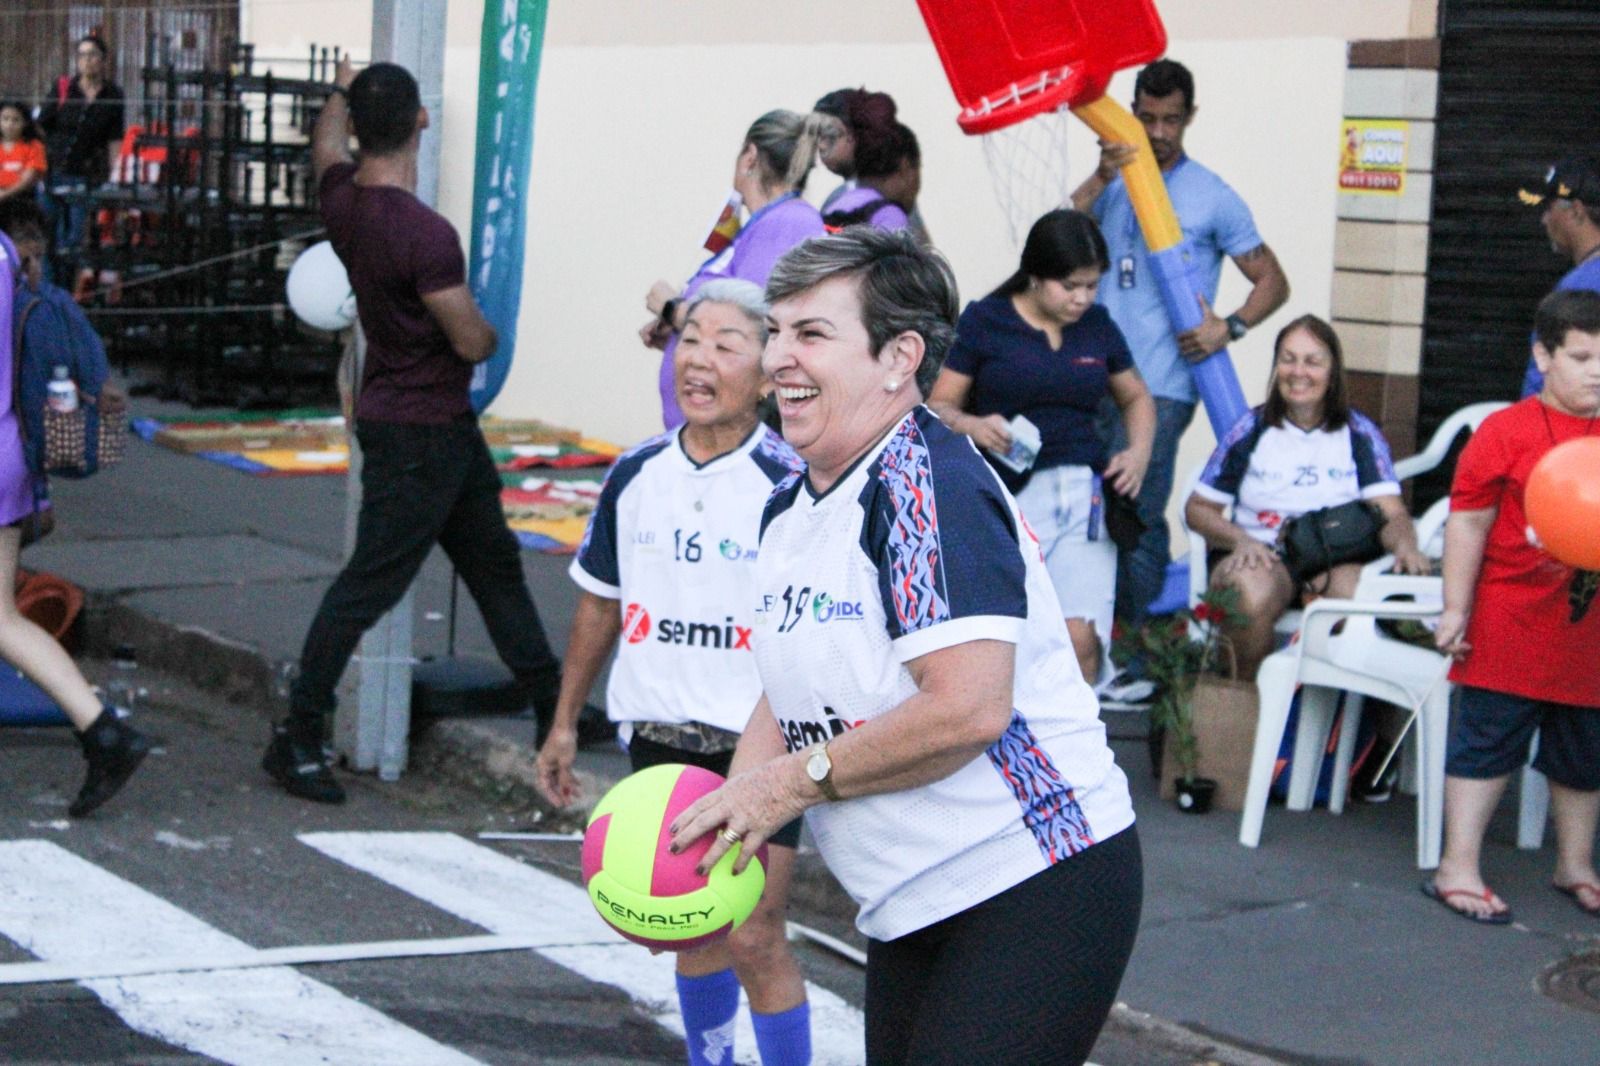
(1523, 628)
(112, 748)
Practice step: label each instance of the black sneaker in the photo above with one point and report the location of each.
(594, 727)
(302, 769)
(113, 751)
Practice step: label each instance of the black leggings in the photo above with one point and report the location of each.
(1027, 977)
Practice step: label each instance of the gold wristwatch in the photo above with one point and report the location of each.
(820, 769)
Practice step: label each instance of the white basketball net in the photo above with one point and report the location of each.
(1028, 169)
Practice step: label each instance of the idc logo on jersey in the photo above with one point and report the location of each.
(636, 628)
(825, 608)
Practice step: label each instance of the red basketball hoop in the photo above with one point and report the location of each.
(1009, 60)
(1016, 66)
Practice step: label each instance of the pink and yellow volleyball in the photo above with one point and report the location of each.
(645, 892)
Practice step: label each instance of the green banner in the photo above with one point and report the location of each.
(508, 74)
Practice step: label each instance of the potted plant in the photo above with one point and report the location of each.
(1176, 650)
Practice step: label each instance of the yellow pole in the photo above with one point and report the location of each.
(1146, 191)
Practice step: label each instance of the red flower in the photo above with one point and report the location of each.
(1204, 612)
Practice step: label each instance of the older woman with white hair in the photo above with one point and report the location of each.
(769, 175)
(674, 539)
(921, 702)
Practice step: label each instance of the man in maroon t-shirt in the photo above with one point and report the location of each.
(427, 477)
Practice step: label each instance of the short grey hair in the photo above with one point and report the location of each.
(744, 295)
(903, 287)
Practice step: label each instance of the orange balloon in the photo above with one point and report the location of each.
(1562, 502)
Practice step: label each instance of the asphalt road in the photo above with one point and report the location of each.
(203, 863)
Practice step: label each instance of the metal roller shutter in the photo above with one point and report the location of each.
(1519, 86)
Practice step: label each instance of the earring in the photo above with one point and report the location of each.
(891, 385)
(749, 171)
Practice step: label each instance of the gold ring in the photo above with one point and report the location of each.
(729, 836)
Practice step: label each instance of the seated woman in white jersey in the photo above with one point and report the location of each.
(1304, 449)
(668, 565)
(921, 701)
(1040, 347)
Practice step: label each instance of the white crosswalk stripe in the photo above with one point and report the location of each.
(504, 896)
(200, 989)
(61, 907)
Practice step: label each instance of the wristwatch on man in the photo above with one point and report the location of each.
(820, 769)
(1237, 327)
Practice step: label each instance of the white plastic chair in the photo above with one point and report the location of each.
(1360, 659)
(1468, 418)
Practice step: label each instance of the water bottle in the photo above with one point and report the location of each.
(62, 393)
(122, 688)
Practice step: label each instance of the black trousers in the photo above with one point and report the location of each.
(423, 485)
(1026, 978)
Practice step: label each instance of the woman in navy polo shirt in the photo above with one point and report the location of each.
(1040, 347)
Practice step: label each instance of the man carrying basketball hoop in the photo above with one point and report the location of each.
(1216, 223)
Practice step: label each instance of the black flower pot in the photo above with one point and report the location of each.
(1194, 795)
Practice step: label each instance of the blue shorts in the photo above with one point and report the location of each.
(1490, 732)
(644, 753)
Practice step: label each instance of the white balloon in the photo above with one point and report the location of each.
(319, 289)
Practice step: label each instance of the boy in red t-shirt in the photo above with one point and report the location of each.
(1523, 627)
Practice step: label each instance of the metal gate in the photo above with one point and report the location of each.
(1519, 87)
(37, 38)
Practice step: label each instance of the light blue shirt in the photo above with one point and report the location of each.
(1215, 222)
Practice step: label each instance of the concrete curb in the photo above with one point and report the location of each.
(237, 672)
(457, 750)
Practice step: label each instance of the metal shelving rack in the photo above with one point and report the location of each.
(190, 250)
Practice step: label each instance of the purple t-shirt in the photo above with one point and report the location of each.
(771, 232)
(397, 249)
(888, 216)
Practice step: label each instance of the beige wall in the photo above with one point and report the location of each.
(642, 106)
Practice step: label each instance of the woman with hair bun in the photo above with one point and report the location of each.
(888, 178)
(769, 175)
(861, 140)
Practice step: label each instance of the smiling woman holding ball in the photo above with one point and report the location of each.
(947, 754)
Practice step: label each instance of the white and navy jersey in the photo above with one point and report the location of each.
(918, 548)
(674, 543)
(1272, 474)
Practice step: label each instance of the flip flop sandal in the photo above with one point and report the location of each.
(1443, 897)
(1572, 892)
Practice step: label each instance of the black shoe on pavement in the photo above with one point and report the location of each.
(301, 767)
(113, 750)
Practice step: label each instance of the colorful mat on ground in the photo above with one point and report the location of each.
(547, 515)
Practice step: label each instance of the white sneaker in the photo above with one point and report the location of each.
(1122, 692)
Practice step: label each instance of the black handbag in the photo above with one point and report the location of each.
(1124, 524)
(1319, 540)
